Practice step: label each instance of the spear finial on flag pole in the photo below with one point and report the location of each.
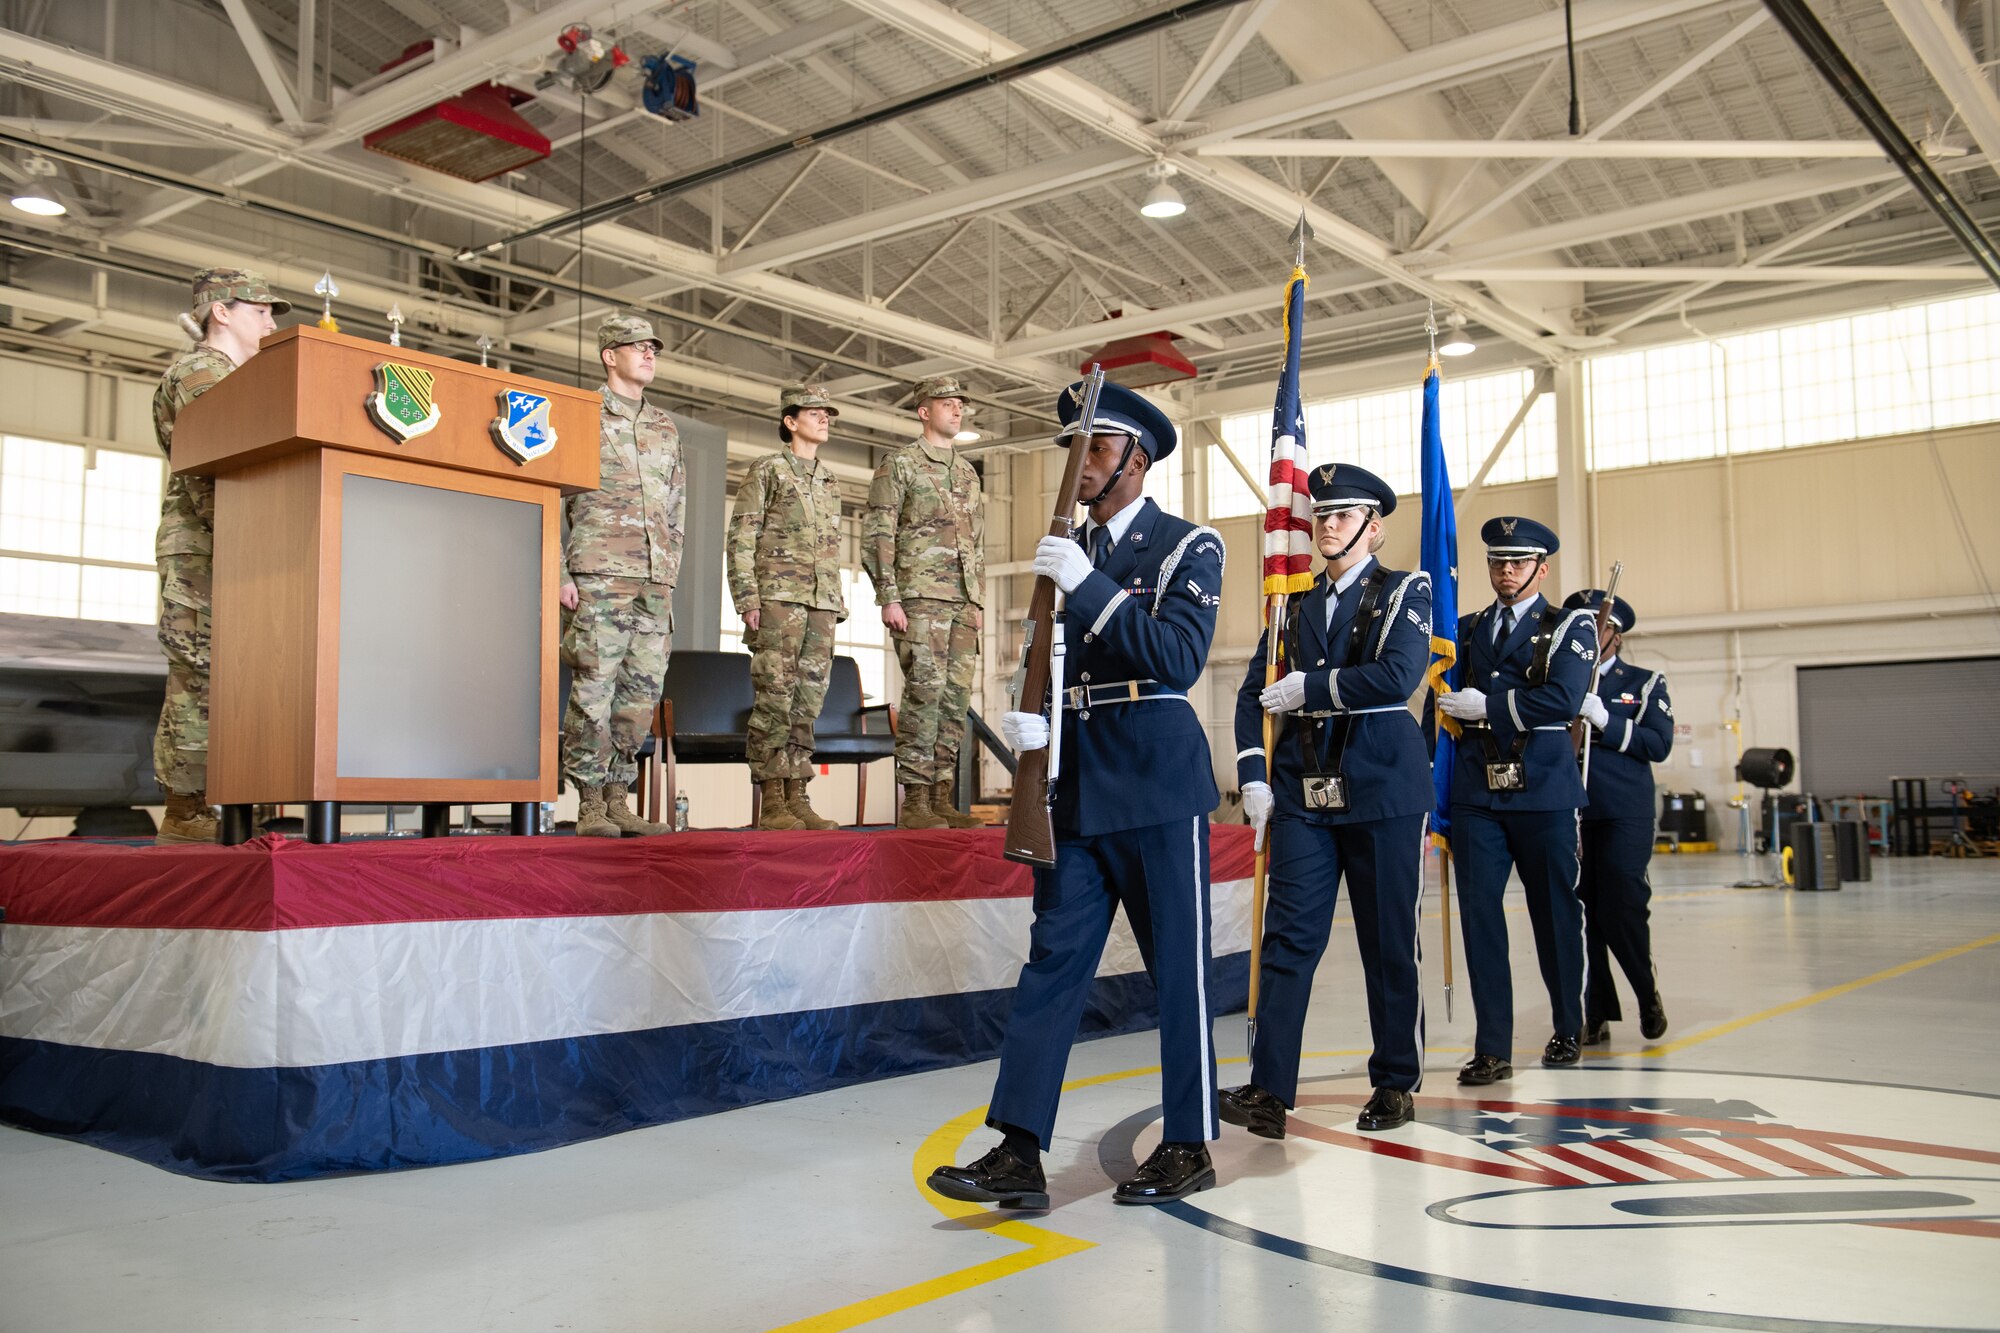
(1301, 234)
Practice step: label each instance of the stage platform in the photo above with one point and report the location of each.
(282, 1010)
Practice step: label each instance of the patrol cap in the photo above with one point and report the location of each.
(1338, 486)
(624, 330)
(1622, 616)
(796, 400)
(1119, 412)
(1514, 538)
(234, 284)
(938, 386)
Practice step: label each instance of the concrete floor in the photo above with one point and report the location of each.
(1848, 1039)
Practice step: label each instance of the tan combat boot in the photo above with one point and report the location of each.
(946, 809)
(188, 820)
(591, 819)
(628, 822)
(801, 808)
(917, 809)
(777, 815)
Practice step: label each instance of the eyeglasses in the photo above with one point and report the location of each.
(1513, 561)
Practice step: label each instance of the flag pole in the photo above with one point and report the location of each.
(1277, 590)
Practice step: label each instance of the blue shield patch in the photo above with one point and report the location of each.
(524, 429)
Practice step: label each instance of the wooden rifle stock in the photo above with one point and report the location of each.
(1031, 837)
(1579, 730)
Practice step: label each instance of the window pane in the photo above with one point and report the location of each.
(1249, 436)
(121, 507)
(38, 587)
(41, 497)
(1819, 382)
(119, 594)
(1965, 360)
(1754, 385)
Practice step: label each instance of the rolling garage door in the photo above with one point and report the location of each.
(1860, 726)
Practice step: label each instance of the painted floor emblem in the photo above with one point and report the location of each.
(1759, 1201)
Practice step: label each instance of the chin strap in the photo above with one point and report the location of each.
(1359, 533)
(1124, 460)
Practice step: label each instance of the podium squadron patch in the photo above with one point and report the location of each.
(524, 429)
(401, 404)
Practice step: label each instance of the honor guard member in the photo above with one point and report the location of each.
(1523, 669)
(229, 319)
(1349, 794)
(1130, 812)
(623, 556)
(784, 576)
(921, 548)
(1632, 728)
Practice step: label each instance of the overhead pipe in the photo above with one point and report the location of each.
(1826, 56)
(946, 90)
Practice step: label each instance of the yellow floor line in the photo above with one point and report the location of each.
(1043, 1245)
(1817, 997)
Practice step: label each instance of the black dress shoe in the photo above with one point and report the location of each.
(1561, 1052)
(1653, 1018)
(1388, 1108)
(1254, 1109)
(1483, 1069)
(999, 1178)
(1174, 1171)
(1596, 1034)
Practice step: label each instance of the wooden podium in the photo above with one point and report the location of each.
(384, 612)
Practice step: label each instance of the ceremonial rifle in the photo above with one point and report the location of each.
(1031, 837)
(1579, 730)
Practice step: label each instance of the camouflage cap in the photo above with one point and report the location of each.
(234, 284)
(624, 330)
(939, 386)
(801, 396)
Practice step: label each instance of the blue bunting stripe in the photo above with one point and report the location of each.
(276, 1124)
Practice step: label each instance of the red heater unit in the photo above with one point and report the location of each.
(1141, 361)
(474, 136)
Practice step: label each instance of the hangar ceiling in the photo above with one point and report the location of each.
(996, 234)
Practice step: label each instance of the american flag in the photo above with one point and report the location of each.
(1288, 522)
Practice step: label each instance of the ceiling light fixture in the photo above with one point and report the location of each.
(33, 196)
(1458, 344)
(1163, 200)
(966, 437)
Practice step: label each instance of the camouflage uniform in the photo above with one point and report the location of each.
(784, 564)
(624, 555)
(921, 547)
(185, 544)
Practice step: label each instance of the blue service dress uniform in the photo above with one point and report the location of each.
(1130, 813)
(1534, 830)
(1377, 842)
(1618, 827)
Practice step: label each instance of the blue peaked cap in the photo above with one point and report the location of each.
(1121, 412)
(1515, 537)
(1345, 486)
(1587, 599)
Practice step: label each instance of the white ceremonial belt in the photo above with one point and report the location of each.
(1119, 692)
(1356, 712)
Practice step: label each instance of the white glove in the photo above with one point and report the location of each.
(1257, 803)
(1287, 696)
(1062, 560)
(1465, 705)
(1024, 731)
(1594, 712)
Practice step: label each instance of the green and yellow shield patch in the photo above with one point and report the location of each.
(401, 403)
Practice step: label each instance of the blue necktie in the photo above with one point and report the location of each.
(1506, 625)
(1100, 545)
